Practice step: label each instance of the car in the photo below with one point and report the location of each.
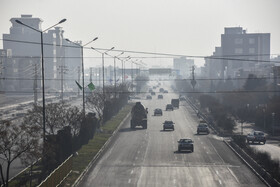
(165, 91)
(153, 93)
(182, 98)
(185, 144)
(256, 136)
(161, 90)
(148, 97)
(157, 111)
(168, 125)
(160, 96)
(150, 90)
(154, 87)
(169, 107)
(202, 127)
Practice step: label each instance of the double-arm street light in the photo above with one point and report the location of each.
(102, 53)
(115, 75)
(83, 70)
(43, 70)
(123, 66)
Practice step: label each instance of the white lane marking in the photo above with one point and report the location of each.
(133, 164)
(138, 152)
(129, 180)
(131, 172)
(176, 158)
(174, 181)
(204, 147)
(136, 158)
(207, 152)
(217, 172)
(201, 142)
(220, 182)
(231, 172)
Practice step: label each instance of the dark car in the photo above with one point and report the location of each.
(157, 111)
(165, 91)
(256, 136)
(185, 144)
(202, 127)
(153, 93)
(160, 96)
(168, 125)
(161, 90)
(169, 107)
(182, 98)
(148, 97)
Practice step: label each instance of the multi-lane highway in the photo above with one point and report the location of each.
(150, 158)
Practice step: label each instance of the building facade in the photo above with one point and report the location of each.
(183, 66)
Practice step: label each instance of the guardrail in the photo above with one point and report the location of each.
(59, 174)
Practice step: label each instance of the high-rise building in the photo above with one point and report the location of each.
(244, 51)
(25, 46)
(183, 66)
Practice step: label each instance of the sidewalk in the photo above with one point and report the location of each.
(272, 145)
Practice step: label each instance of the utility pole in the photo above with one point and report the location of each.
(79, 75)
(193, 81)
(35, 85)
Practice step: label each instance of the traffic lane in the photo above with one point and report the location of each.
(137, 153)
(120, 163)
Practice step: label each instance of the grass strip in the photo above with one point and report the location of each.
(88, 151)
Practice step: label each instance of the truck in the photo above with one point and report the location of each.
(138, 116)
(175, 103)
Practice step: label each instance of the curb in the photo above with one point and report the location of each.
(98, 154)
(247, 164)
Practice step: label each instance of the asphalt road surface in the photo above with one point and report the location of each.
(150, 158)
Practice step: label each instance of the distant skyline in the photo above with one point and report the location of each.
(187, 27)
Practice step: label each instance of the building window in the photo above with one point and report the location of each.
(54, 59)
(54, 35)
(238, 51)
(54, 52)
(238, 40)
(251, 40)
(251, 50)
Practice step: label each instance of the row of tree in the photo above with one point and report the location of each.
(67, 128)
(255, 102)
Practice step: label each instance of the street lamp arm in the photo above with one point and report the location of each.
(62, 21)
(90, 41)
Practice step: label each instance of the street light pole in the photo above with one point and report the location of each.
(273, 115)
(83, 69)
(43, 71)
(115, 76)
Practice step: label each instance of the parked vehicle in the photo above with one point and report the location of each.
(148, 97)
(185, 144)
(153, 93)
(161, 90)
(256, 136)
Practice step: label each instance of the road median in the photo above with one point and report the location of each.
(89, 153)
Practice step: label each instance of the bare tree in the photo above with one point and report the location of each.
(74, 118)
(58, 115)
(17, 141)
(95, 103)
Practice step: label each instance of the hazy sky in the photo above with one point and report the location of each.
(188, 27)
